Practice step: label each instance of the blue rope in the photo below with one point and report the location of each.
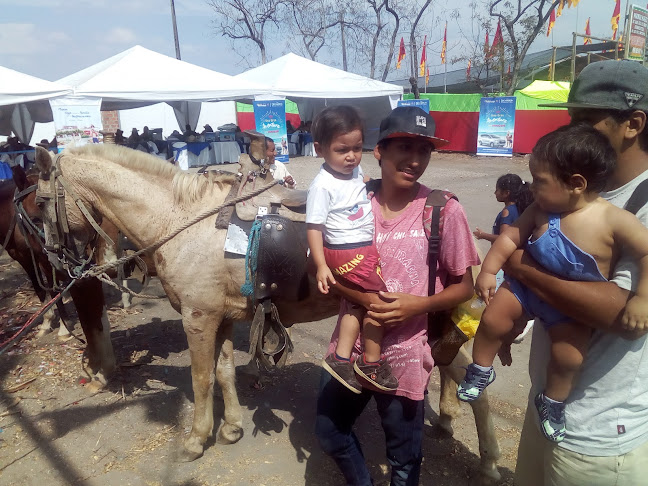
(251, 259)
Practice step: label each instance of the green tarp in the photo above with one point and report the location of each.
(291, 107)
(450, 102)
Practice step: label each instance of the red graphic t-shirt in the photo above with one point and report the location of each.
(403, 246)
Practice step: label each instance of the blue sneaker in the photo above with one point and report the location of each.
(474, 383)
(552, 418)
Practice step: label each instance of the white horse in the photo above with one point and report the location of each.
(148, 199)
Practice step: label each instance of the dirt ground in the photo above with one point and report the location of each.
(52, 431)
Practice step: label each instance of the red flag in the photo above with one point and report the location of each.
(509, 69)
(443, 46)
(588, 32)
(498, 39)
(552, 21)
(486, 46)
(401, 53)
(468, 70)
(423, 58)
(615, 18)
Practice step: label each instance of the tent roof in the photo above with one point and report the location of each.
(22, 88)
(295, 76)
(547, 90)
(139, 74)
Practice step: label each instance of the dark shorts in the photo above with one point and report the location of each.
(359, 266)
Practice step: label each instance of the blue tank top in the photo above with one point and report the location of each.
(555, 252)
(513, 214)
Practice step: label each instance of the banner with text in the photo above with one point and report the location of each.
(77, 121)
(496, 123)
(637, 30)
(422, 104)
(270, 119)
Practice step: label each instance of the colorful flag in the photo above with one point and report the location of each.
(615, 18)
(552, 21)
(575, 3)
(468, 70)
(570, 3)
(588, 32)
(423, 58)
(486, 46)
(498, 39)
(443, 46)
(561, 5)
(427, 76)
(509, 69)
(401, 53)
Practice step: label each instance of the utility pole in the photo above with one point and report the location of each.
(343, 40)
(175, 31)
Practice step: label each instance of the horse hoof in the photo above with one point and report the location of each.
(64, 337)
(190, 452)
(445, 423)
(489, 474)
(229, 434)
(96, 385)
(43, 332)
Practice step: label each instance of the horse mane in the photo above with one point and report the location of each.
(187, 187)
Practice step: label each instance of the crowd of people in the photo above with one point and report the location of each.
(569, 252)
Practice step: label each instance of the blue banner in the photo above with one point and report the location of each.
(270, 119)
(496, 124)
(422, 104)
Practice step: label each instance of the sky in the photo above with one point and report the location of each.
(51, 39)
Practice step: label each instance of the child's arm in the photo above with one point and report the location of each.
(315, 235)
(506, 243)
(633, 235)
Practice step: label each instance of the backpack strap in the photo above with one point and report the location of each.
(434, 203)
(639, 198)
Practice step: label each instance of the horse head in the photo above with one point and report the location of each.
(67, 232)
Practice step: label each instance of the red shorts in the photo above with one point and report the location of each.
(359, 266)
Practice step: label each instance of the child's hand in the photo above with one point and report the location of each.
(485, 286)
(635, 316)
(479, 234)
(324, 276)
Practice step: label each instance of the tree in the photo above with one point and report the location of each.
(247, 19)
(311, 20)
(522, 21)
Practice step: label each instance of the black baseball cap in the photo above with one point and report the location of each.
(609, 85)
(410, 122)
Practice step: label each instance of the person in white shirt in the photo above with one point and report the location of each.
(277, 169)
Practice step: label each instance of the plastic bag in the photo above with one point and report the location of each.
(468, 314)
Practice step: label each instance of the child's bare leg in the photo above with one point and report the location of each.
(569, 343)
(372, 334)
(496, 322)
(349, 330)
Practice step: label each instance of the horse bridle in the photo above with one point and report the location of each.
(54, 188)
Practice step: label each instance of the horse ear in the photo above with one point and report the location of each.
(43, 160)
(19, 177)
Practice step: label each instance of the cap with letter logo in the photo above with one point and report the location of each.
(410, 122)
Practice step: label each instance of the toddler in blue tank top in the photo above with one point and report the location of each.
(574, 233)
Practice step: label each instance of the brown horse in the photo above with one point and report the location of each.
(148, 199)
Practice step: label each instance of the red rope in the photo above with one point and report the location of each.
(30, 320)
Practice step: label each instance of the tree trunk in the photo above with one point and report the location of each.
(393, 41)
(414, 83)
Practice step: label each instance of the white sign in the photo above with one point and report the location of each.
(77, 121)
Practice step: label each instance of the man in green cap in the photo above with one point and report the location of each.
(607, 411)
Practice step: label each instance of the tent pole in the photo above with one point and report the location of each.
(175, 31)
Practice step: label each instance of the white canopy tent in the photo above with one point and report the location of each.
(314, 86)
(23, 102)
(139, 77)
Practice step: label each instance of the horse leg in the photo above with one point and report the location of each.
(89, 300)
(488, 447)
(126, 297)
(232, 428)
(63, 332)
(449, 407)
(50, 317)
(200, 328)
